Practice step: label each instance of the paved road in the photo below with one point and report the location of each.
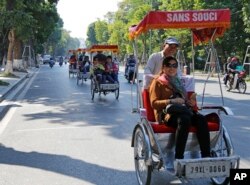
(54, 134)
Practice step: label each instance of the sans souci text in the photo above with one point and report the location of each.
(195, 17)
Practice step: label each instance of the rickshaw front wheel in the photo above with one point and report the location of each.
(222, 149)
(143, 171)
(117, 93)
(92, 88)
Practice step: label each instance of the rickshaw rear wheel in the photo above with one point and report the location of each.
(143, 171)
(221, 150)
(242, 87)
(92, 88)
(117, 91)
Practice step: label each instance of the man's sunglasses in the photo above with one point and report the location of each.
(175, 65)
(173, 45)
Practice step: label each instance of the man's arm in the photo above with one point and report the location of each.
(149, 71)
(149, 68)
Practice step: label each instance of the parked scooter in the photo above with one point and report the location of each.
(237, 81)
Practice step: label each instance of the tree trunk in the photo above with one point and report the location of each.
(17, 63)
(9, 64)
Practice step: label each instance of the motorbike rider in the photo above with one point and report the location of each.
(226, 75)
(60, 60)
(51, 62)
(231, 68)
(130, 62)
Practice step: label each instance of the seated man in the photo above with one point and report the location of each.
(73, 61)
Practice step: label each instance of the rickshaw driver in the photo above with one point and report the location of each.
(161, 89)
(154, 63)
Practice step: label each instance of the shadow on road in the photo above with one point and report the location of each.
(61, 164)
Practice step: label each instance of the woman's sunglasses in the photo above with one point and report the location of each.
(175, 65)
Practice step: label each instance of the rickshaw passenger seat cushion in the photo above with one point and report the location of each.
(162, 128)
(146, 104)
(212, 118)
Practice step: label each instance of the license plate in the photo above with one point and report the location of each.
(109, 86)
(207, 169)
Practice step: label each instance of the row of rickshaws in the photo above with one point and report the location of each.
(154, 143)
(84, 73)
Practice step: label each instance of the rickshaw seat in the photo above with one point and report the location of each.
(212, 118)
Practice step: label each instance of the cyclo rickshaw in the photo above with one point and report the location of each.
(72, 63)
(82, 73)
(106, 87)
(154, 143)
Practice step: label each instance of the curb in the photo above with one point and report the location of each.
(12, 87)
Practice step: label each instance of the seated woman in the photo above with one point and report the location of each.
(108, 71)
(111, 70)
(161, 92)
(86, 63)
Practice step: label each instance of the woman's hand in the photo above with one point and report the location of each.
(191, 103)
(192, 100)
(178, 101)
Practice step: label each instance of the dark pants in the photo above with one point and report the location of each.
(108, 77)
(114, 76)
(182, 123)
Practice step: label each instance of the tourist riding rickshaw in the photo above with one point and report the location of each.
(106, 87)
(72, 63)
(82, 73)
(154, 143)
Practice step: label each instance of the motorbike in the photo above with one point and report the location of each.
(237, 81)
(51, 64)
(130, 74)
(60, 64)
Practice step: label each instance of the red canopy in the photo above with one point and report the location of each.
(202, 22)
(100, 48)
(82, 49)
(72, 50)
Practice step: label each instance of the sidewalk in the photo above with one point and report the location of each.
(14, 82)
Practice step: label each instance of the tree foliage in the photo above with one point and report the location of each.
(130, 12)
(35, 23)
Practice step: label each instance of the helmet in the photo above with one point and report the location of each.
(234, 59)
